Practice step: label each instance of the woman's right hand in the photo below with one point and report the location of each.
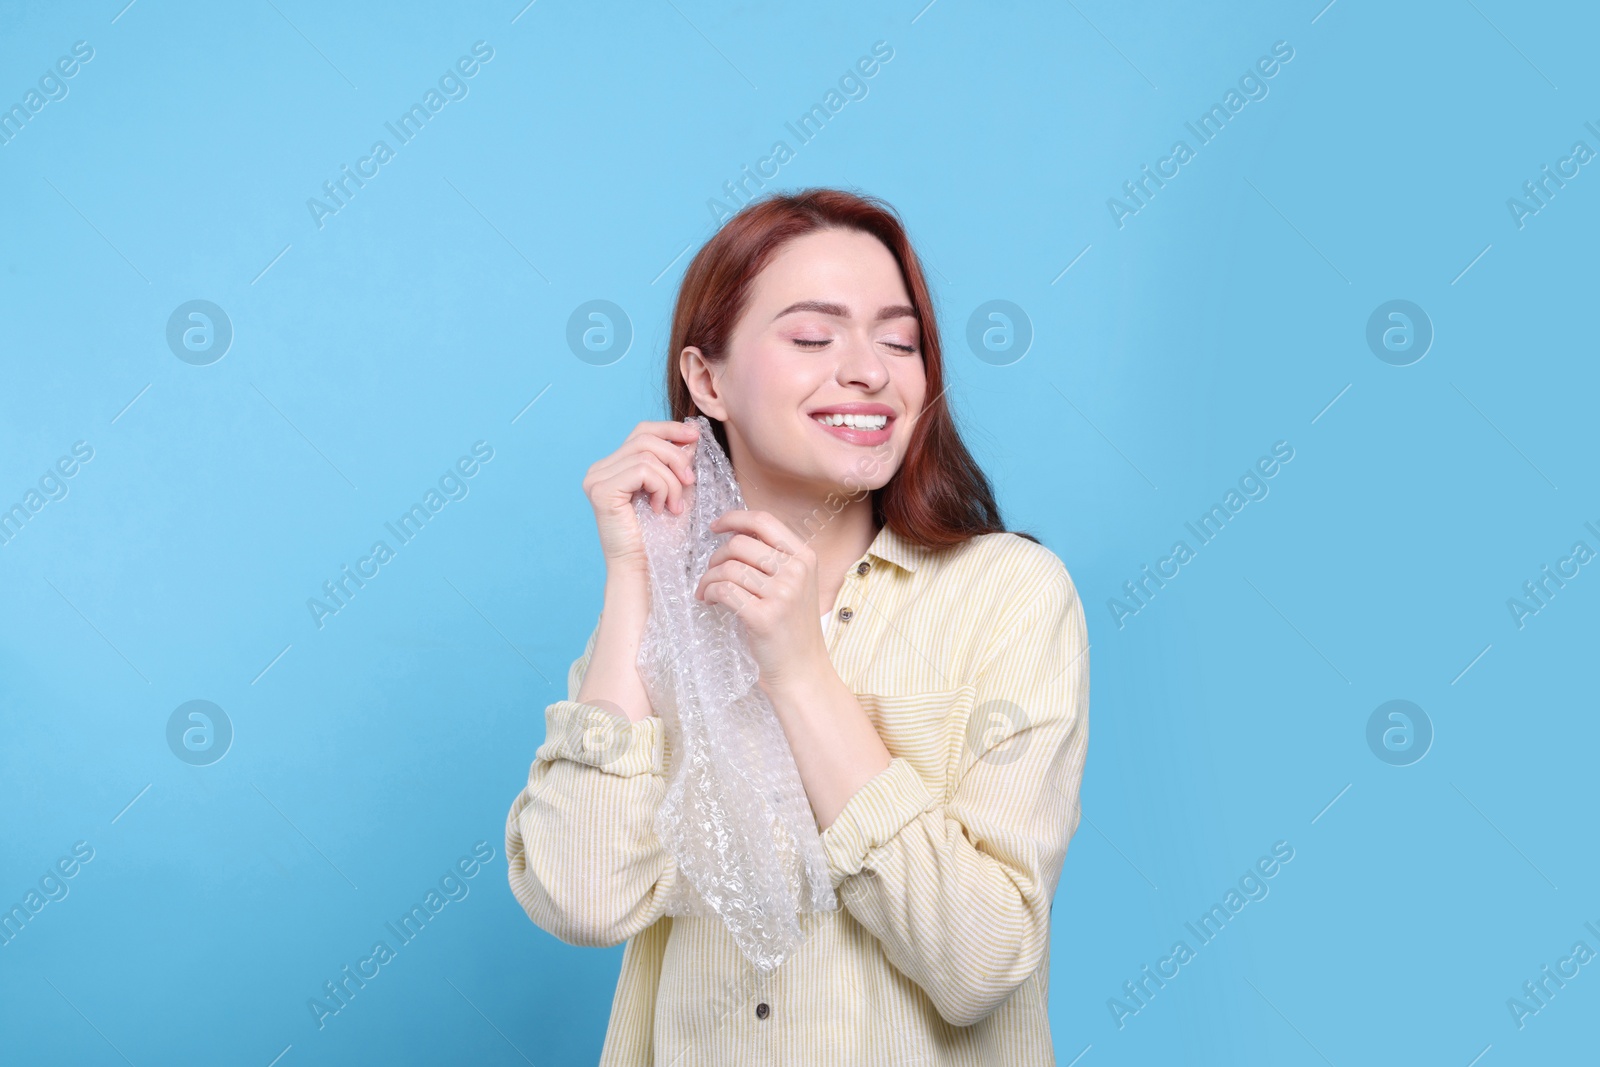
(653, 459)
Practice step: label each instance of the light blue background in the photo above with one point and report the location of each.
(429, 313)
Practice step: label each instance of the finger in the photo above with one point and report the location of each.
(753, 581)
(729, 594)
(679, 459)
(648, 476)
(680, 432)
(672, 499)
(623, 463)
(655, 484)
(760, 524)
(751, 551)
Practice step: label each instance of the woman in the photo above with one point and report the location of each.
(938, 715)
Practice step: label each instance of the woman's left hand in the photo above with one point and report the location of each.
(768, 576)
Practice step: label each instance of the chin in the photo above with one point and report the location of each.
(853, 481)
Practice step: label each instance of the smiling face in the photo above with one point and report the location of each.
(828, 327)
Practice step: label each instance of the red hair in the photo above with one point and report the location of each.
(939, 498)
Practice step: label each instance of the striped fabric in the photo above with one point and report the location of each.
(973, 665)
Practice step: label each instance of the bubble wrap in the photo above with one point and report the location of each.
(735, 815)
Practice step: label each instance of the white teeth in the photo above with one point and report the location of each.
(857, 422)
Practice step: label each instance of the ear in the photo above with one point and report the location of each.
(701, 379)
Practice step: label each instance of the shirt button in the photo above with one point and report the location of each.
(762, 1010)
(845, 614)
(861, 568)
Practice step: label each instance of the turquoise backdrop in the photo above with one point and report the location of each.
(1307, 288)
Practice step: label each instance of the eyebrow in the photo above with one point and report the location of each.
(892, 311)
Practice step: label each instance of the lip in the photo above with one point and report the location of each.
(854, 407)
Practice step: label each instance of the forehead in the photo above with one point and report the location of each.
(845, 266)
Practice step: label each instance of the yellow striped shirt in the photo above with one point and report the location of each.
(973, 666)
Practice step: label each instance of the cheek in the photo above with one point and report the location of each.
(913, 387)
(769, 377)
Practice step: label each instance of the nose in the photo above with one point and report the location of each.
(861, 364)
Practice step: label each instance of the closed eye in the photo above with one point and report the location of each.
(813, 344)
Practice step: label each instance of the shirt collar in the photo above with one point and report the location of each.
(892, 548)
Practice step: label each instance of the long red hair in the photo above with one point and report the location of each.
(939, 498)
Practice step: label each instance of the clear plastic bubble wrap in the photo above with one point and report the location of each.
(735, 815)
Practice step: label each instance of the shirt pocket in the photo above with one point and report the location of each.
(929, 729)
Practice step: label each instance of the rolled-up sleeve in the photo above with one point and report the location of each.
(582, 852)
(959, 892)
(878, 811)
